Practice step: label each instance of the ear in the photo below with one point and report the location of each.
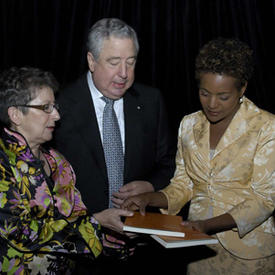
(243, 89)
(91, 61)
(15, 115)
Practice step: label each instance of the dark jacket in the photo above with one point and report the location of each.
(148, 151)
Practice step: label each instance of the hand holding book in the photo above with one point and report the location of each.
(164, 229)
(139, 202)
(213, 225)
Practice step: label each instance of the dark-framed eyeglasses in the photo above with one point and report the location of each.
(47, 108)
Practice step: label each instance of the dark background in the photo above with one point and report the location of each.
(51, 34)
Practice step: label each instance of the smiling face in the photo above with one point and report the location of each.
(219, 97)
(36, 125)
(113, 72)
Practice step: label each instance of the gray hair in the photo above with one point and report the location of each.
(104, 29)
(18, 86)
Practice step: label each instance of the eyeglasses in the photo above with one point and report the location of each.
(47, 108)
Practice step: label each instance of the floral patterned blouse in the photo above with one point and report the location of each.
(43, 220)
(239, 179)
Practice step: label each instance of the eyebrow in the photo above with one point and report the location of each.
(221, 93)
(113, 58)
(118, 58)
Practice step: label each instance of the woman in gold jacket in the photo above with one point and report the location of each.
(225, 166)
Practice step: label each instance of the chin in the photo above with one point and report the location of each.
(214, 121)
(118, 94)
(48, 138)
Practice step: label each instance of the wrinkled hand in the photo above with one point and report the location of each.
(111, 218)
(130, 189)
(138, 202)
(116, 247)
(111, 241)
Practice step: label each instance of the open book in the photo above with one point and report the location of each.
(155, 223)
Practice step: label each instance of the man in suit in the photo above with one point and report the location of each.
(148, 156)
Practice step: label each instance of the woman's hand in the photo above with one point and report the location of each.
(196, 225)
(213, 225)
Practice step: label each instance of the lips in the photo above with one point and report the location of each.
(119, 85)
(211, 113)
(51, 127)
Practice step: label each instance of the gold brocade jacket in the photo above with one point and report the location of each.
(239, 179)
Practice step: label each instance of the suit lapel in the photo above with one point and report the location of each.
(234, 131)
(87, 126)
(201, 136)
(133, 110)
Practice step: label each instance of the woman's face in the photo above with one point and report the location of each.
(36, 125)
(219, 96)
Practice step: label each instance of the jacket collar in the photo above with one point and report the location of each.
(236, 128)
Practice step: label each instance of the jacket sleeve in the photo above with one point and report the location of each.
(69, 202)
(258, 207)
(179, 191)
(17, 226)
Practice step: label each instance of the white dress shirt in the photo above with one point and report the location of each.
(99, 105)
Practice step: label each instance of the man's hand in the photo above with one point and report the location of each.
(130, 189)
(138, 202)
(111, 218)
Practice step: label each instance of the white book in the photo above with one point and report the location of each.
(172, 242)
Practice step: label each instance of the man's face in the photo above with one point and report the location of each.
(114, 71)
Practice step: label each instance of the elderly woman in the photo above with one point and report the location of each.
(225, 166)
(43, 222)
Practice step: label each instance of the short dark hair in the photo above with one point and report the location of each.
(230, 57)
(18, 86)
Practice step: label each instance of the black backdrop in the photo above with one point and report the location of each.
(51, 34)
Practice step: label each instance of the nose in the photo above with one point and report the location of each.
(55, 114)
(123, 70)
(213, 102)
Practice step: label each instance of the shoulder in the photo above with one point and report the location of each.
(56, 155)
(60, 160)
(142, 87)
(148, 97)
(191, 119)
(143, 90)
(62, 170)
(257, 116)
(73, 89)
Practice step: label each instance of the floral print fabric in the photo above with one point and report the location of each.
(239, 179)
(42, 219)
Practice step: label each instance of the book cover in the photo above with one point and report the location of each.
(155, 223)
(192, 238)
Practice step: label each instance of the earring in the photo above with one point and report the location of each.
(241, 100)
